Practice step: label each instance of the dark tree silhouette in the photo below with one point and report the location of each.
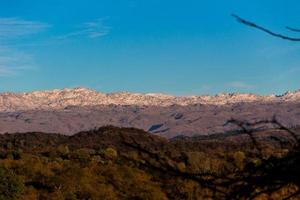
(271, 175)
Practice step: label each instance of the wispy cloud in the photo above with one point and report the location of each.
(240, 85)
(93, 29)
(15, 59)
(13, 62)
(12, 28)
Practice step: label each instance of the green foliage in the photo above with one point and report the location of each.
(11, 186)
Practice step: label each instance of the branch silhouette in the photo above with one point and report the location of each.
(293, 29)
(253, 25)
(272, 175)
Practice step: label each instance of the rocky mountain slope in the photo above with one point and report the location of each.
(69, 111)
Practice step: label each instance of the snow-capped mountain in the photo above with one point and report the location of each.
(69, 111)
(59, 99)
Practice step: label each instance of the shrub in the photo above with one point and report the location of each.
(11, 186)
(110, 153)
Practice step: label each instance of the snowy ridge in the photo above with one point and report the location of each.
(59, 99)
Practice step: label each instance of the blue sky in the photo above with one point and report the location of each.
(177, 47)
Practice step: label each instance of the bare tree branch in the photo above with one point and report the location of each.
(293, 29)
(253, 25)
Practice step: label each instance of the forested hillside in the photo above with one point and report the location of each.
(127, 163)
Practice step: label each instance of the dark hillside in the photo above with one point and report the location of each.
(128, 163)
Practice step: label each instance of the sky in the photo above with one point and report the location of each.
(191, 47)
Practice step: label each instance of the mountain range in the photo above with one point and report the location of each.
(69, 111)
